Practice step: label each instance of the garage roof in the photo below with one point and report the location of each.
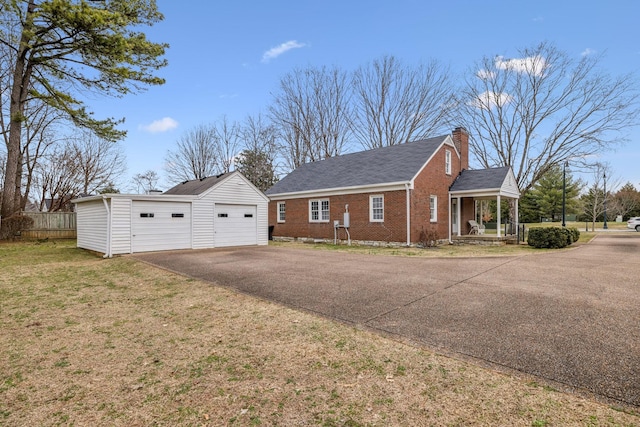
(197, 186)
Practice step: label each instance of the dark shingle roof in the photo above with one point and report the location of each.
(397, 163)
(481, 179)
(197, 186)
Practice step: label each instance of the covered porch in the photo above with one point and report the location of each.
(469, 197)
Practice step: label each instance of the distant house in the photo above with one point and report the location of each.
(392, 194)
(62, 204)
(218, 211)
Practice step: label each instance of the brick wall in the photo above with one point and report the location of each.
(392, 229)
(431, 181)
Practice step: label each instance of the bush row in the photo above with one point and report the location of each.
(552, 237)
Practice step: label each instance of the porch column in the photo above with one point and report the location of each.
(517, 217)
(450, 241)
(459, 215)
(498, 225)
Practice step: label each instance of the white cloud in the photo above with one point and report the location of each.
(274, 52)
(531, 64)
(162, 125)
(488, 100)
(588, 51)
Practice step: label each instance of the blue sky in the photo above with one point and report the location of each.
(227, 57)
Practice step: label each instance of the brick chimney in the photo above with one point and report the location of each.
(460, 138)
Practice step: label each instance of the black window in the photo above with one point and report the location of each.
(146, 215)
(177, 215)
(223, 215)
(248, 215)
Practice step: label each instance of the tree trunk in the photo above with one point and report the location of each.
(11, 199)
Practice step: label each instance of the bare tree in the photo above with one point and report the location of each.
(597, 200)
(146, 182)
(395, 104)
(312, 111)
(626, 201)
(259, 136)
(56, 177)
(99, 162)
(195, 155)
(38, 136)
(227, 144)
(538, 110)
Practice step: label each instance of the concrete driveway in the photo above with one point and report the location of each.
(570, 317)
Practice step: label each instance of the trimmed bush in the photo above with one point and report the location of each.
(549, 237)
(575, 232)
(13, 225)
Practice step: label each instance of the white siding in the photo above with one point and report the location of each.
(510, 186)
(92, 224)
(236, 190)
(202, 227)
(120, 226)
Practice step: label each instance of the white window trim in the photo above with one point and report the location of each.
(433, 212)
(278, 211)
(371, 218)
(447, 162)
(320, 210)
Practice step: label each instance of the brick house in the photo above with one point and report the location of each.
(391, 194)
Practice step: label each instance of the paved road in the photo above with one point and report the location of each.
(571, 317)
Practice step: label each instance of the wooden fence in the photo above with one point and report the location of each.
(54, 225)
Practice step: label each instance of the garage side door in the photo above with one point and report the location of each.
(235, 225)
(158, 226)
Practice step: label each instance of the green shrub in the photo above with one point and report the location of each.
(549, 237)
(575, 232)
(568, 235)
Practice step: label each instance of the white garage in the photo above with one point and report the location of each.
(225, 210)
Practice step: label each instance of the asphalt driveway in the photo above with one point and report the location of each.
(570, 317)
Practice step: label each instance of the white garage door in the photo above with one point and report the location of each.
(157, 226)
(235, 225)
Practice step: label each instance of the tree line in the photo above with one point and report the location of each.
(532, 112)
(585, 201)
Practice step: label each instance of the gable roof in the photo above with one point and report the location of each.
(197, 186)
(393, 164)
(489, 180)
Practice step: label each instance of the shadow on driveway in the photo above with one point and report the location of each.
(570, 317)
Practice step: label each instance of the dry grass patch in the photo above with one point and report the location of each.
(87, 341)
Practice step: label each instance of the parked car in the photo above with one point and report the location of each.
(634, 222)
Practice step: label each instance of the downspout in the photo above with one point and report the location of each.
(406, 186)
(106, 206)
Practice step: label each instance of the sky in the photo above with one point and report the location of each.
(226, 58)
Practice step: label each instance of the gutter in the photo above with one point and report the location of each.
(106, 206)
